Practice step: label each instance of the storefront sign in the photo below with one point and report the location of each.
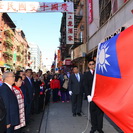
(90, 11)
(67, 62)
(29, 7)
(70, 28)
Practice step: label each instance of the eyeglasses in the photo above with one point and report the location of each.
(91, 64)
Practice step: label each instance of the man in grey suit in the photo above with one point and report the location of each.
(76, 91)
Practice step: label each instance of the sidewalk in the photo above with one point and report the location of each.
(58, 119)
(34, 125)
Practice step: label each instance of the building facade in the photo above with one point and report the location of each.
(110, 18)
(36, 62)
(75, 53)
(95, 21)
(13, 45)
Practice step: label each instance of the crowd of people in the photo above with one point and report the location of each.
(25, 92)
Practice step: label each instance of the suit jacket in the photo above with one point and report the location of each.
(11, 105)
(30, 88)
(88, 80)
(74, 85)
(25, 93)
(2, 116)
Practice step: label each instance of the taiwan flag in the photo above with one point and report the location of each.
(113, 91)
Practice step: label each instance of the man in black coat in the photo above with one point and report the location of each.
(96, 113)
(76, 91)
(2, 116)
(28, 82)
(10, 101)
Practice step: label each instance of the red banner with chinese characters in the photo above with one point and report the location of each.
(29, 7)
(90, 11)
(70, 28)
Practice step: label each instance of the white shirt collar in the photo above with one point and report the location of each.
(91, 71)
(8, 85)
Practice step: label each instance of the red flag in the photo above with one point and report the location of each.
(55, 56)
(114, 79)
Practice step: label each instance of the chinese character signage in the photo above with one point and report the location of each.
(70, 28)
(29, 7)
(90, 11)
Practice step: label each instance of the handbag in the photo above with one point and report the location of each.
(65, 84)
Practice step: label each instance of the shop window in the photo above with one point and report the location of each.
(105, 10)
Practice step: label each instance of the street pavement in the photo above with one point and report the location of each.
(34, 125)
(58, 118)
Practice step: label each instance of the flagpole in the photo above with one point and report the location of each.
(94, 80)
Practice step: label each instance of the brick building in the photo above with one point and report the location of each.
(13, 44)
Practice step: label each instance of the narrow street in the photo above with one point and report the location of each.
(58, 119)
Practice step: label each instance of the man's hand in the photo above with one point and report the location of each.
(8, 126)
(89, 98)
(70, 93)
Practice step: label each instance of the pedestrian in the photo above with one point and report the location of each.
(20, 98)
(64, 89)
(24, 88)
(96, 113)
(31, 92)
(36, 83)
(55, 86)
(47, 89)
(10, 101)
(41, 97)
(76, 91)
(2, 116)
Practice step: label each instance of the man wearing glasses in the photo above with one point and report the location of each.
(10, 101)
(96, 113)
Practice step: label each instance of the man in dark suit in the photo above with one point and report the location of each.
(2, 116)
(10, 101)
(96, 113)
(76, 91)
(30, 90)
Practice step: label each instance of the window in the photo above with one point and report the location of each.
(105, 10)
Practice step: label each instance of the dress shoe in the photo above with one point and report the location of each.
(74, 114)
(79, 114)
(92, 131)
(100, 131)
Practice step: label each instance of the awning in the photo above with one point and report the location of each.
(7, 66)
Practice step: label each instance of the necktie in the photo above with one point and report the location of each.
(93, 72)
(77, 77)
(30, 81)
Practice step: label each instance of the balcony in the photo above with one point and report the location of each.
(18, 57)
(7, 55)
(8, 33)
(78, 19)
(8, 44)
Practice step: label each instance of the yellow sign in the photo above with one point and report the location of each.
(1, 64)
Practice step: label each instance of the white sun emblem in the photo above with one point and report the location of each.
(102, 57)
